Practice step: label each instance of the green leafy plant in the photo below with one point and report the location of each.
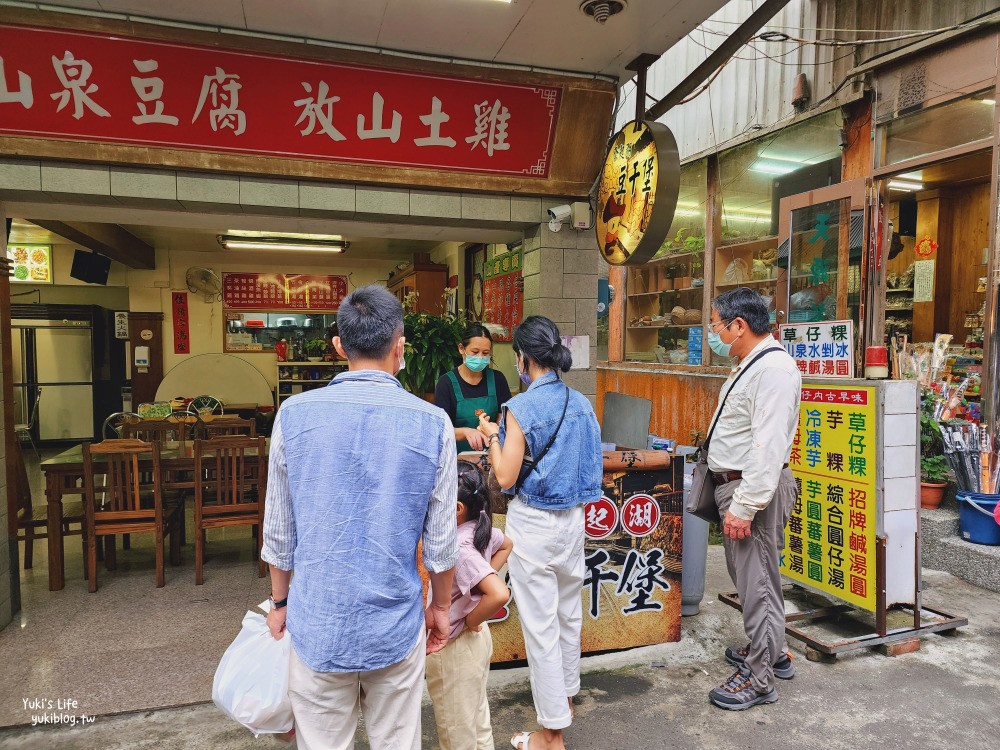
(315, 347)
(694, 244)
(933, 465)
(933, 469)
(431, 349)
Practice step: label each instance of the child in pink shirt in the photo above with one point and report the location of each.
(456, 675)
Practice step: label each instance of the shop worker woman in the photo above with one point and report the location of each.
(546, 451)
(472, 388)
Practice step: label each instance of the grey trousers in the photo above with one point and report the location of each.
(753, 566)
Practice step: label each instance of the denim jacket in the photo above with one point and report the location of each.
(570, 473)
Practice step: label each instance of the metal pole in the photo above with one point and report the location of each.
(743, 34)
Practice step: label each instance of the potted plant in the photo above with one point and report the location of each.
(933, 480)
(315, 349)
(431, 350)
(933, 466)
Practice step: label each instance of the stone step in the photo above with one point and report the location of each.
(944, 549)
(939, 523)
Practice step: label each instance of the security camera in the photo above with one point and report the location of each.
(560, 213)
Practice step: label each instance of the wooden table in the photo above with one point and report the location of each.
(64, 476)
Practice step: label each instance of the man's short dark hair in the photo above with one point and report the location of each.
(369, 322)
(747, 304)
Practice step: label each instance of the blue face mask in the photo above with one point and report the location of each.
(525, 377)
(716, 344)
(477, 364)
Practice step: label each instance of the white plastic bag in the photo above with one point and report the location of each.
(251, 683)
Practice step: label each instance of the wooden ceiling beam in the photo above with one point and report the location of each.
(107, 239)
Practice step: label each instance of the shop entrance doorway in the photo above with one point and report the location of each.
(938, 240)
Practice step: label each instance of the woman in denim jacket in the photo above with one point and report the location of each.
(545, 518)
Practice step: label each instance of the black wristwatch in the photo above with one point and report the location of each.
(277, 604)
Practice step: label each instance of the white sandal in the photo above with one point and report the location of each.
(520, 741)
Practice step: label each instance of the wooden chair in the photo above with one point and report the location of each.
(30, 528)
(113, 425)
(123, 505)
(155, 430)
(225, 426)
(229, 492)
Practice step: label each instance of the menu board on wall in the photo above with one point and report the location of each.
(503, 292)
(278, 291)
(30, 264)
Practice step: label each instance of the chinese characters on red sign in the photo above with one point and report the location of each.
(277, 291)
(600, 518)
(503, 293)
(179, 309)
(89, 86)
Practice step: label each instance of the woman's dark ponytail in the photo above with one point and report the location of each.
(537, 338)
(474, 494)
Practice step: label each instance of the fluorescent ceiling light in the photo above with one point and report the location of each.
(282, 244)
(905, 185)
(987, 101)
(770, 168)
(686, 212)
(241, 234)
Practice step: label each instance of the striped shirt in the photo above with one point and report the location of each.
(358, 473)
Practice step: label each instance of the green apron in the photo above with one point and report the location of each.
(465, 408)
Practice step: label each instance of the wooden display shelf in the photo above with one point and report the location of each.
(666, 291)
(321, 363)
(677, 256)
(756, 282)
(904, 289)
(669, 325)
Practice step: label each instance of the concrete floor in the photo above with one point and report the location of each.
(944, 695)
(141, 660)
(130, 645)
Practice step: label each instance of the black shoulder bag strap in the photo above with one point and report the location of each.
(704, 446)
(529, 466)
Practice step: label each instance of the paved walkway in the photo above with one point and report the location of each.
(945, 695)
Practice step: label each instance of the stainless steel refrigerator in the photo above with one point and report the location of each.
(69, 353)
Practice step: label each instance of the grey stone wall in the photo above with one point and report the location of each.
(560, 282)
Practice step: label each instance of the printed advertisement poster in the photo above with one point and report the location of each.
(30, 264)
(632, 578)
(830, 537)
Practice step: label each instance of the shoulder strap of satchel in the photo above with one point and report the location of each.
(529, 466)
(704, 446)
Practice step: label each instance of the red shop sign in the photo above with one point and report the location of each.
(181, 322)
(96, 87)
(278, 291)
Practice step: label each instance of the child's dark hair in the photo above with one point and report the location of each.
(475, 495)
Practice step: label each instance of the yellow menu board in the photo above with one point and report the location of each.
(30, 264)
(830, 537)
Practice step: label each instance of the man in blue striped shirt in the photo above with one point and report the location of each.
(358, 472)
